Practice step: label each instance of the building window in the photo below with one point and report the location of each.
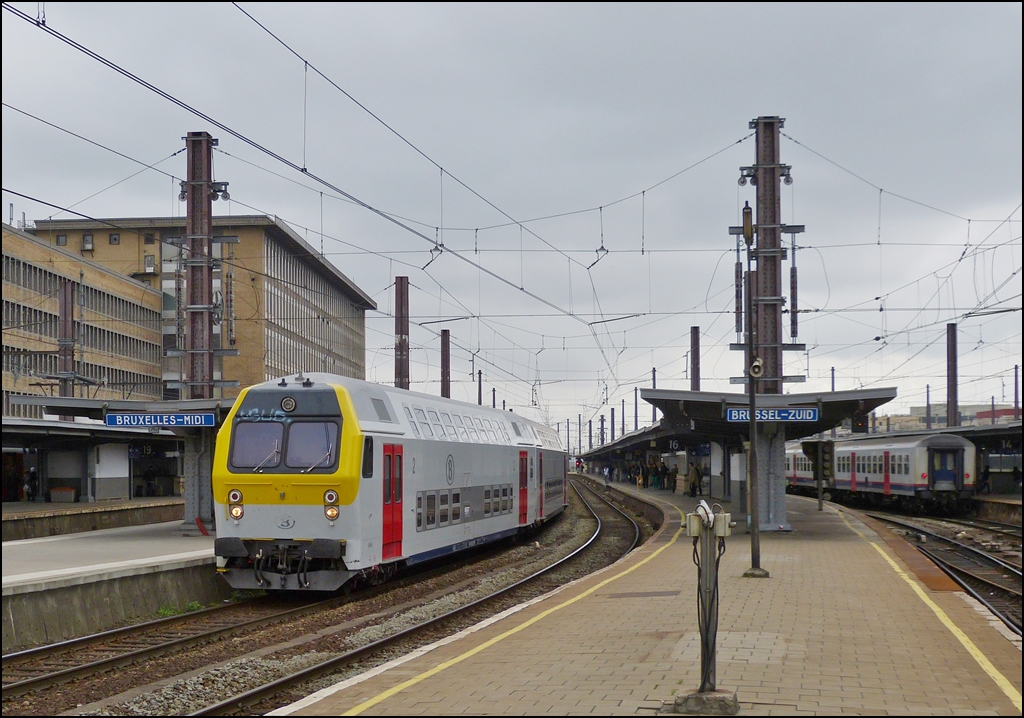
(62, 240)
(149, 238)
(87, 242)
(115, 238)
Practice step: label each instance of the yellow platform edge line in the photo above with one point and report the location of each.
(982, 660)
(381, 697)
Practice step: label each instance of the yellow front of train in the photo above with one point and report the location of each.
(286, 479)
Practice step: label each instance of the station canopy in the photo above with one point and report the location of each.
(695, 417)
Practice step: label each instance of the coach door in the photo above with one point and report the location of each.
(886, 480)
(945, 473)
(523, 495)
(393, 486)
(540, 483)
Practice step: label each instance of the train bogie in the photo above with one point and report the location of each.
(325, 479)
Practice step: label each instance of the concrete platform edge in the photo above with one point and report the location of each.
(76, 609)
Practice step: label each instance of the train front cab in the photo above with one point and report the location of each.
(285, 522)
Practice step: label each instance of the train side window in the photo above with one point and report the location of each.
(387, 478)
(449, 427)
(428, 433)
(504, 499)
(487, 502)
(398, 478)
(463, 434)
(443, 508)
(431, 510)
(368, 457)
(472, 431)
(419, 511)
(436, 421)
(456, 506)
(412, 422)
(480, 428)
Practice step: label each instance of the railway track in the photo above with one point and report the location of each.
(991, 580)
(40, 668)
(610, 520)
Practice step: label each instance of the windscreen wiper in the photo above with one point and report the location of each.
(270, 456)
(330, 450)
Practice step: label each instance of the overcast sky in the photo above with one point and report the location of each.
(902, 126)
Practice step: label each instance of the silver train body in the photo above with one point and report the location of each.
(928, 468)
(321, 479)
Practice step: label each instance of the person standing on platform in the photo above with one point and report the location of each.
(693, 478)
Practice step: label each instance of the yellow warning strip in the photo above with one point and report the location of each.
(365, 705)
(986, 665)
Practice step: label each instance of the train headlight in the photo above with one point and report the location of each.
(234, 496)
(330, 496)
(235, 511)
(331, 512)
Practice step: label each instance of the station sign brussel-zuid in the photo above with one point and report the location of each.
(797, 414)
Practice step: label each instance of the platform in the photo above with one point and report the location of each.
(998, 507)
(842, 626)
(60, 587)
(34, 519)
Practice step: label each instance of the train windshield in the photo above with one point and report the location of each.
(257, 444)
(312, 445)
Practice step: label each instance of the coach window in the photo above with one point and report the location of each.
(431, 510)
(436, 421)
(471, 430)
(419, 511)
(490, 431)
(504, 499)
(398, 478)
(368, 457)
(456, 506)
(387, 479)
(449, 427)
(428, 433)
(312, 445)
(480, 428)
(442, 513)
(412, 422)
(257, 445)
(463, 434)
(487, 502)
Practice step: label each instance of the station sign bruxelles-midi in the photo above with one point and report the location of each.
(176, 420)
(807, 414)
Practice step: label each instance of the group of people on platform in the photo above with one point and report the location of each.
(659, 476)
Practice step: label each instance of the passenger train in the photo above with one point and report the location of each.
(933, 469)
(320, 479)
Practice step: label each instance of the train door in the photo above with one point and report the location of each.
(540, 483)
(945, 469)
(886, 487)
(393, 490)
(523, 494)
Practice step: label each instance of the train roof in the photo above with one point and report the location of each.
(910, 441)
(381, 409)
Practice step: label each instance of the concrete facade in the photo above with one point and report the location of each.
(117, 324)
(285, 308)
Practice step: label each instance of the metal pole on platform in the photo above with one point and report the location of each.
(754, 509)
